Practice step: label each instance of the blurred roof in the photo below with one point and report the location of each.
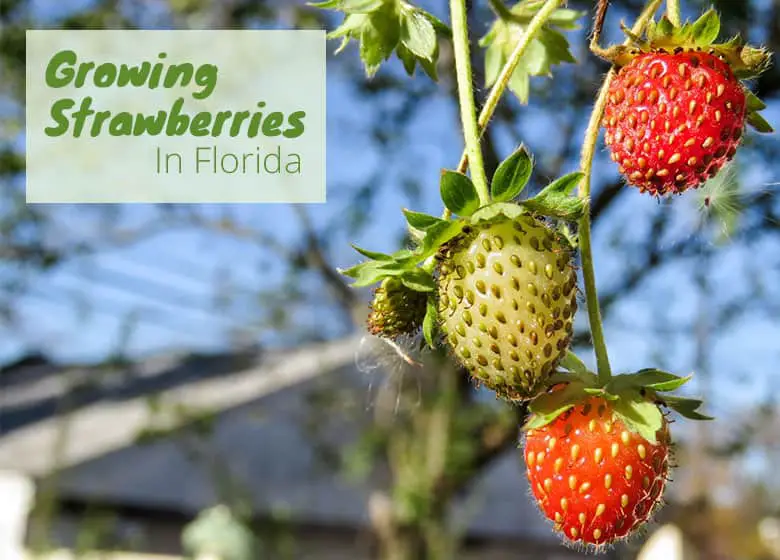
(262, 430)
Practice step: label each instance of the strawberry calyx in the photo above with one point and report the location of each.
(635, 398)
(745, 61)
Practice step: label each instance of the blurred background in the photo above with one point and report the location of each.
(195, 380)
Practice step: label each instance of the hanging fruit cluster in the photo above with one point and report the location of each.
(493, 281)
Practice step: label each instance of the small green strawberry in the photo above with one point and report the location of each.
(507, 301)
(396, 310)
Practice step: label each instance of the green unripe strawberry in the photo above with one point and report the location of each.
(507, 299)
(396, 309)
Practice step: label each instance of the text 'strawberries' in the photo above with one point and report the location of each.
(507, 299)
(676, 110)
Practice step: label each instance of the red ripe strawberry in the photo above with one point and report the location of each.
(673, 120)
(595, 479)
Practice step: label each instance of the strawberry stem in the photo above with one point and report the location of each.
(505, 76)
(673, 12)
(586, 251)
(468, 111)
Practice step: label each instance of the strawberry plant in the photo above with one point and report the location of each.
(492, 283)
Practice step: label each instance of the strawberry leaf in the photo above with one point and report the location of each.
(418, 34)
(554, 199)
(430, 321)
(458, 193)
(512, 175)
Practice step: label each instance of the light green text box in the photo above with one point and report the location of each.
(178, 116)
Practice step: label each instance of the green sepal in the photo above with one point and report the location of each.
(573, 363)
(430, 324)
(759, 123)
(418, 280)
(634, 397)
(640, 416)
(371, 272)
(555, 200)
(685, 407)
(548, 406)
(512, 175)
(421, 221)
(439, 234)
(705, 30)
(458, 193)
(377, 256)
(492, 211)
(654, 379)
(753, 103)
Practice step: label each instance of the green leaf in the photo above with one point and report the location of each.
(520, 85)
(512, 175)
(494, 61)
(458, 193)
(573, 363)
(372, 254)
(430, 321)
(430, 67)
(418, 220)
(705, 30)
(418, 34)
(554, 199)
(418, 280)
(640, 416)
(349, 28)
(407, 58)
(378, 38)
(557, 47)
(685, 407)
(566, 18)
(759, 123)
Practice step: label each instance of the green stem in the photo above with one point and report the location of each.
(468, 110)
(673, 11)
(534, 26)
(586, 251)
